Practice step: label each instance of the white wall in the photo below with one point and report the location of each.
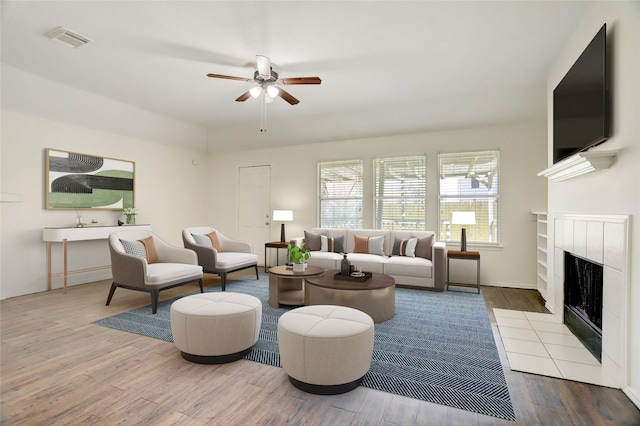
(616, 190)
(169, 194)
(294, 173)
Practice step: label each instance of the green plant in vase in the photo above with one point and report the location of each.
(130, 214)
(298, 255)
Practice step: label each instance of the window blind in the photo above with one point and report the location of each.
(400, 191)
(469, 182)
(340, 192)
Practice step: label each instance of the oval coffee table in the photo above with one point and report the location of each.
(375, 296)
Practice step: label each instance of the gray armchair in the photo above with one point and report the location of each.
(158, 267)
(234, 255)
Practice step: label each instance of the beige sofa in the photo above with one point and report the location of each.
(428, 271)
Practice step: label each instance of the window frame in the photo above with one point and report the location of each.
(419, 224)
(493, 229)
(347, 223)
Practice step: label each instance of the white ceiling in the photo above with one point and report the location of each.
(387, 67)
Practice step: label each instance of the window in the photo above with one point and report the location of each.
(340, 194)
(400, 192)
(469, 183)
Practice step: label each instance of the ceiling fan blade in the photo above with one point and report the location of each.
(264, 66)
(246, 95)
(229, 77)
(301, 80)
(287, 96)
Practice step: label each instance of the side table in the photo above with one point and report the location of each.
(464, 255)
(276, 245)
(286, 287)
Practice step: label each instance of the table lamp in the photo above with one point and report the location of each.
(282, 216)
(463, 218)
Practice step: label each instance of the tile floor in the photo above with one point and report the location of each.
(538, 343)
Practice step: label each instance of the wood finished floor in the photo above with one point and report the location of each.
(59, 369)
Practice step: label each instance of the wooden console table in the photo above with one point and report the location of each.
(64, 235)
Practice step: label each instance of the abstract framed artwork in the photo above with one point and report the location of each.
(82, 181)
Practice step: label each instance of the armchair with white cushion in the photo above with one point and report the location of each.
(219, 254)
(142, 261)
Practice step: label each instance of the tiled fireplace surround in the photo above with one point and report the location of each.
(605, 240)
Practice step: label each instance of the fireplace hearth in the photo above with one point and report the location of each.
(603, 239)
(583, 295)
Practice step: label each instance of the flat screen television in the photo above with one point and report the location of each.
(580, 102)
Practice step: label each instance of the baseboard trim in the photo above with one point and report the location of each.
(632, 395)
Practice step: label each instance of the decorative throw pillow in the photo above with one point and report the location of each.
(134, 248)
(202, 240)
(361, 244)
(332, 244)
(214, 241)
(376, 245)
(150, 249)
(405, 247)
(312, 242)
(369, 245)
(424, 247)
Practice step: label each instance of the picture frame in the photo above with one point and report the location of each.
(84, 181)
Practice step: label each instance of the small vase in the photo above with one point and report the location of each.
(298, 267)
(131, 219)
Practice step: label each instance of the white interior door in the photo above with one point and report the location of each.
(254, 207)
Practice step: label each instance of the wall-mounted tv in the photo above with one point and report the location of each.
(580, 102)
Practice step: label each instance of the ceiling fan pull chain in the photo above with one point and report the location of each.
(263, 112)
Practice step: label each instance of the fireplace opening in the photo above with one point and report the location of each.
(583, 291)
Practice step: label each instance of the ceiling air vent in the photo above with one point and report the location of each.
(67, 37)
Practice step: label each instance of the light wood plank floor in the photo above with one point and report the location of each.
(58, 369)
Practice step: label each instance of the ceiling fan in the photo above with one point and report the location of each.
(268, 81)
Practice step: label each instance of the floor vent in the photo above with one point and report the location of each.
(67, 37)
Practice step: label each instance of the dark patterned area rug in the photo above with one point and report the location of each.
(438, 348)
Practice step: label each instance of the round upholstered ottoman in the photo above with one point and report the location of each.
(325, 349)
(214, 328)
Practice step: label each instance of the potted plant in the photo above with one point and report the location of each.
(130, 213)
(298, 255)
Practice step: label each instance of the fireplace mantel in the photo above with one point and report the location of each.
(579, 164)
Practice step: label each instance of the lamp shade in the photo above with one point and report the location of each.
(255, 91)
(463, 218)
(283, 215)
(272, 91)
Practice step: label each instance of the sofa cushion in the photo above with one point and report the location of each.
(360, 244)
(325, 260)
(369, 262)
(134, 248)
(408, 267)
(424, 247)
(202, 240)
(404, 247)
(150, 249)
(312, 241)
(368, 245)
(376, 245)
(215, 242)
(331, 244)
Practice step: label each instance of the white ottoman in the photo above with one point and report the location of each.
(214, 328)
(325, 349)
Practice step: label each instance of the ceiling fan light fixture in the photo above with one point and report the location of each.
(272, 91)
(255, 91)
(267, 98)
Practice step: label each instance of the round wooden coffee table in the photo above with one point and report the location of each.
(285, 286)
(375, 296)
